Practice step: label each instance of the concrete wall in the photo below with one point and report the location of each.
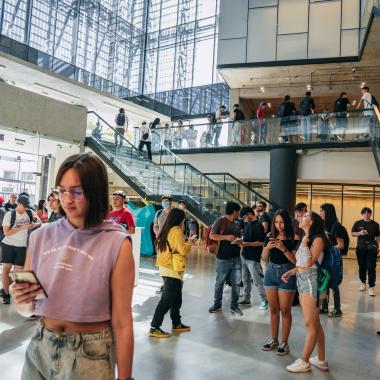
(326, 166)
(36, 113)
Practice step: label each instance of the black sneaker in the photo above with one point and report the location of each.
(270, 345)
(214, 309)
(283, 349)
(245, 303)
(336, 314)
(236, 310)
(324, 310)
(6, 297)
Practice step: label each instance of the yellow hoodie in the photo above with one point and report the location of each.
(177, 243)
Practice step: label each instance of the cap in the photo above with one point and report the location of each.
(1, 200)
(24, 200)
(120, 193)
(168, 197)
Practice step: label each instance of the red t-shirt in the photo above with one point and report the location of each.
(122, 217)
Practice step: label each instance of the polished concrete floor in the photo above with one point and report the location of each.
(222, 346)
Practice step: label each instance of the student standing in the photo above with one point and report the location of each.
(368, 234)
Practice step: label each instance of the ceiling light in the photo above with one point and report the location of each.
(262, 89)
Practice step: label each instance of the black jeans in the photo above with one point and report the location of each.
(171, 299)
(336, 295)
(367, 264)
(148, 147)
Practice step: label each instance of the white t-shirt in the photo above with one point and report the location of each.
(145, 129)
(20, 238)
(367, 103)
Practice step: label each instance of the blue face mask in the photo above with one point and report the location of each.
(165, 204)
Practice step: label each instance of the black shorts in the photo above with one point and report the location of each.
(13, 255)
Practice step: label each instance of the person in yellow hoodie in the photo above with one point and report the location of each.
(172, 263)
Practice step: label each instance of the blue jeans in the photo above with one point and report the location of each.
(230, 268)
(252, 269)
(69, 356)
(306, 127)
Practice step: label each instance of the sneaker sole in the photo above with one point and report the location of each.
(300, 371)
(235, 313)
(324, 369)
(282, 353)
(180, 330)
(215, 311)
(159, 336)
(268, 349)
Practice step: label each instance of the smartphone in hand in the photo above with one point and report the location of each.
(30, 277)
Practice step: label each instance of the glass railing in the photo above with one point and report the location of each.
(239, 189)
(166, 174)
(321, 128)
(375, 137)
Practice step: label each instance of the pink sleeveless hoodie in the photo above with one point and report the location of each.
(75, 267)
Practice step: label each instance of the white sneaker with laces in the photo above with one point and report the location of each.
(321, 364)
(362, 287)
(371, 292)
(299, 366)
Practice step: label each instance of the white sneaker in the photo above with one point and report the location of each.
(362, 287)
(321, 364)
(371, 292)
(299, 366)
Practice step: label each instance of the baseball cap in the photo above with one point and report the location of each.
(168, 197)
(24, 200)
(120, 193)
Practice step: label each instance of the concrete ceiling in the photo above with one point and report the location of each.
(331, 78)
(41, 81)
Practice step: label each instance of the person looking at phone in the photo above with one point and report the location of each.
(16, 225)
(173, 250)
(86, 267)
(279, 250)
(309, 253)
(252, 246)
(368, 234)
(226, 230)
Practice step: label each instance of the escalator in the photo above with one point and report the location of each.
(166, 174)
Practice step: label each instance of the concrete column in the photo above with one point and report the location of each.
(283, 178)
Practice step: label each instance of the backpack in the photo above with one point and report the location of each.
(306, 104)
(374, 102)
(281, 110)
(120, 120)
(13, 216)
(346, 238)
(212, 246)
(332, 262)
(239, 115)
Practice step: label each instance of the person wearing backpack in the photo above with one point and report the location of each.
(16, 225)
(226, 232)
(338, 237)
(121, 121)
(237, 117)
(309, 257)
(368, 233)
(307, 107)
(287, 112)
(340, 109)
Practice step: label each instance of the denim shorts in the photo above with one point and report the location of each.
(273, 274)
(307, 282)
(69, 356)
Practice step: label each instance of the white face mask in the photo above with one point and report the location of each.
(165, 204)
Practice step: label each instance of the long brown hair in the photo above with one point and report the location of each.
(94, 182)
(174, 219)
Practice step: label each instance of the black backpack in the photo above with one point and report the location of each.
(346, 238)
(374, 102)
(13, 216)
(306, 104)
(120, 121)
(239, 115)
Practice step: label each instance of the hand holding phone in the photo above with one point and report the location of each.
(29, 277)
(193, 237)
(237, 241)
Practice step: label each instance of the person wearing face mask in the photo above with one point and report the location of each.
(161, 215)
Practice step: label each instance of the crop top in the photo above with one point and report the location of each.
(303, 254)
(74, 266)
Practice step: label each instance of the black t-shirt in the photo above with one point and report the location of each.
(341, 105)
(264, 217)
(373, 231)
(276, 256)
(253, 231)
(239, 114)
(337, 231)
(224, 227)
(306, 105)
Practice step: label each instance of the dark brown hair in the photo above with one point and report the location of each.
(175, 217)
(94, 182)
